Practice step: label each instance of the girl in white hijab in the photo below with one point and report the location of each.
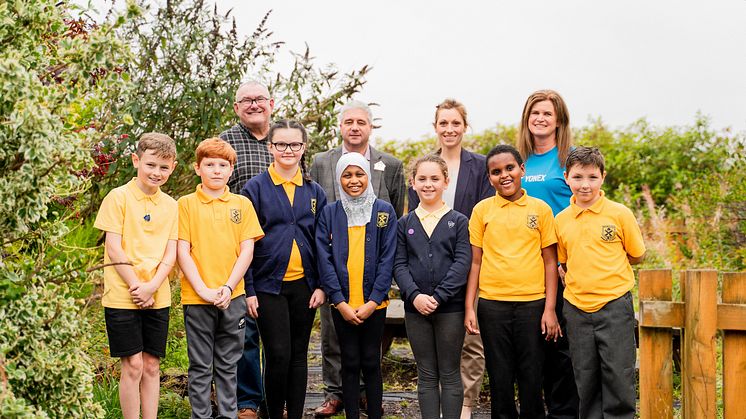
(358, 208)
(356, 245)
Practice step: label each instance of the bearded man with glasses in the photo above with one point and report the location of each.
(253, 106)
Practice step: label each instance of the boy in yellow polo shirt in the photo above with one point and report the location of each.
(141, 229)
(598, 241)
(217, 230)
(514, 267)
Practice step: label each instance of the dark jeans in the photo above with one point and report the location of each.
(603, 350)
(249, 374)
(436, 342)
(285, 323)
(560, 392)
(514, 351)
(361, 352)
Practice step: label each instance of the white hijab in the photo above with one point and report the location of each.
(358, 209)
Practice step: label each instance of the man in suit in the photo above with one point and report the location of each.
(387, 178)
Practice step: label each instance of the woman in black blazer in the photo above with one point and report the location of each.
(467, 171)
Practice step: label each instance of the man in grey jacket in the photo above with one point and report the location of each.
(387, 178)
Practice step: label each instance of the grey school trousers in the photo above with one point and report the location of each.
(602, 346)
(436, 342)
(214, 345)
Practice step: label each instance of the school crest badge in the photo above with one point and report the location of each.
(532, 221)
(608, 233)
(382, 219)
(313, 205)
(236, 215)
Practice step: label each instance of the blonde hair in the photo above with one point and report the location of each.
(162, 145)
(563, 135)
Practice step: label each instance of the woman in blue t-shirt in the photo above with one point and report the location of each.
(544, 141)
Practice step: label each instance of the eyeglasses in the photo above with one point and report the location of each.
(284, 146)
(247, 101)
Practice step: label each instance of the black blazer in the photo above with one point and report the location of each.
(473, 184)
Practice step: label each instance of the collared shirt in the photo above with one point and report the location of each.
(595, 242)
(366, 154)
(146, 224)
(511, 236)
(295, 266)
(430, 219)
(253, 156)
(215, 228)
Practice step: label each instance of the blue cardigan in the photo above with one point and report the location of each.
(473, 184)
(281, 224)
(380, 246)
(437, 265)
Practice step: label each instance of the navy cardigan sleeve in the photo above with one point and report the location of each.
(386, 254)
(404, 279)
(325, 257)
(457, 274)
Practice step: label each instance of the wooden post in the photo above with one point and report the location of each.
(700, 322)
(656, 374)
(734, 351)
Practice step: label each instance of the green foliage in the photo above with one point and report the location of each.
(42, 347)
(189, 61)
(58, 77)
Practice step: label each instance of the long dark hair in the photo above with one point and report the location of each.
(293, 124)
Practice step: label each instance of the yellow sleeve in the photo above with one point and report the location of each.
(476, 225)
(632, 241)
(174, 233)
(110, 215)
(251, 229)
(561, 245)
(548, 225)
(184, 233)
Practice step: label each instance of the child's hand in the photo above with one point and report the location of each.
(348, 314)
(561, 272)
(141, 292)
(470, 322)
(550, 326)
(208, 294)
(147, 304)
(365, 310)
(223, 300)
(252, 307)
(425, 304)
(317, 298)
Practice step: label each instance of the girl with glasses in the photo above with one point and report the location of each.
(282, 285)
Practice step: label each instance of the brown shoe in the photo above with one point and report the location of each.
(330, 407)
(247, 413)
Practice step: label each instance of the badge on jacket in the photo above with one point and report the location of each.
(383, 219)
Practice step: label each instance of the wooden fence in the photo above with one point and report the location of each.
(699, 315)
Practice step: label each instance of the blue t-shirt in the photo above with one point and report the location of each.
(544, 180)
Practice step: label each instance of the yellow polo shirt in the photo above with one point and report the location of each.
(295, 265)
(511, 236)
(215, 228)
(146, 224)
(356, 267)
(430, 219)
(594, 243)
